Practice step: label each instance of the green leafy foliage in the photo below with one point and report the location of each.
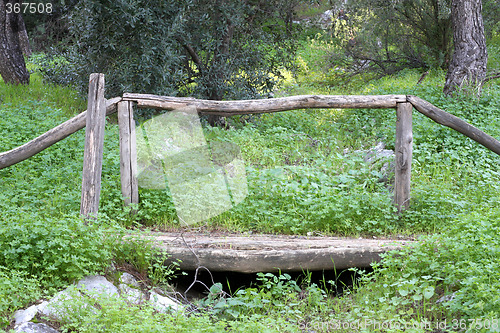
(214, 314)
(304, 176)
(275, 296)
(34, 245)
(116, 315)
(449, 275)
(215, 50)
(301, 199)
(17, 289)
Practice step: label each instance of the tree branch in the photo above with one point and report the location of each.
(192, 53)
(492, 76)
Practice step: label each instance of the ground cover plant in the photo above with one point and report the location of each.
(306, 174)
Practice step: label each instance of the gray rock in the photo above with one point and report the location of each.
(55, 309)
(379, 153)
(98, 285)
(131, 294)
(129, 279)
(35, 328)
(23, 316)
(446, 298)
(75, 297)
(163, 304)
(130, 289)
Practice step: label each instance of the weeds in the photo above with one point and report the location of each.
(304, 175)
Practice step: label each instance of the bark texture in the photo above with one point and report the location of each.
(270, 253)
(12, 66)
(253, 106)
(468, 65)
(24, 41)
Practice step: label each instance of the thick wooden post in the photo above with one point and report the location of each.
(403, 149)
(128, 153)
(94, 141)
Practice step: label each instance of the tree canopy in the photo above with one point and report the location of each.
(207, 49)
(386, 36)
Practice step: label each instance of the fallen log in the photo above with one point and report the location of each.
(446, 119)
(270, 253)
(47, 139)
(231, 108)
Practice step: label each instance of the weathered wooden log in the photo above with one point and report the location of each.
(270, 253)
(451, 121)
(47, 139)
(230, 108)
(94, 143)
(403, 151)
(128, 153)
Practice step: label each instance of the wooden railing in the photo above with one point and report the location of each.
(403, 104)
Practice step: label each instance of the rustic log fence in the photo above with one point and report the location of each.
(98, 108)
(94, 143)
(128, 153)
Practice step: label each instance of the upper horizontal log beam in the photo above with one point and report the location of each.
(231, 108)
(47, 139)
(446, 119)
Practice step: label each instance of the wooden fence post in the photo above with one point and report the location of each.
(403, 150)
(94, 141)
(128, 153)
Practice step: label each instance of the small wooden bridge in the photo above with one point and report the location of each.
(271, 253)
(242, 253)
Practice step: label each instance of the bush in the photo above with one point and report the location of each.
(55, 251)
(17, 289)
(460, 264)
(194, 48)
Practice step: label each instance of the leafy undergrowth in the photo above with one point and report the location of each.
(305, 174)
(447, 281)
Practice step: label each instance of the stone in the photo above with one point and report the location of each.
(75, 297)
(129, 279)
(129, 289)
(379, 153)
(446, 298)
(23, 316)
(98, 284)
(163, 304)
(131, 294)
(55, 308)
(34, 328)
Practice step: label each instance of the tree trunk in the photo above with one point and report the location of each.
(24, 41)
(12, 66)
(468, 65)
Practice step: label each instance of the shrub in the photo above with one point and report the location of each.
(461, 264)
(55, 251)
(205, 49)
(17, 289)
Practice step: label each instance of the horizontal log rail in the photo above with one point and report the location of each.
(231, 108)
(47, 139)
(446, 119)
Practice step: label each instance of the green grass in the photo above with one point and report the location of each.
(300, 180)
(59, 97)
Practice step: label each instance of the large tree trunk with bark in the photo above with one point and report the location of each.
(24, 42)
(468, 66)
(12, 66)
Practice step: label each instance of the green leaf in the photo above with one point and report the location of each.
(428, 292)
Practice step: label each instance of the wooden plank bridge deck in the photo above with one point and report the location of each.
(271, 253)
